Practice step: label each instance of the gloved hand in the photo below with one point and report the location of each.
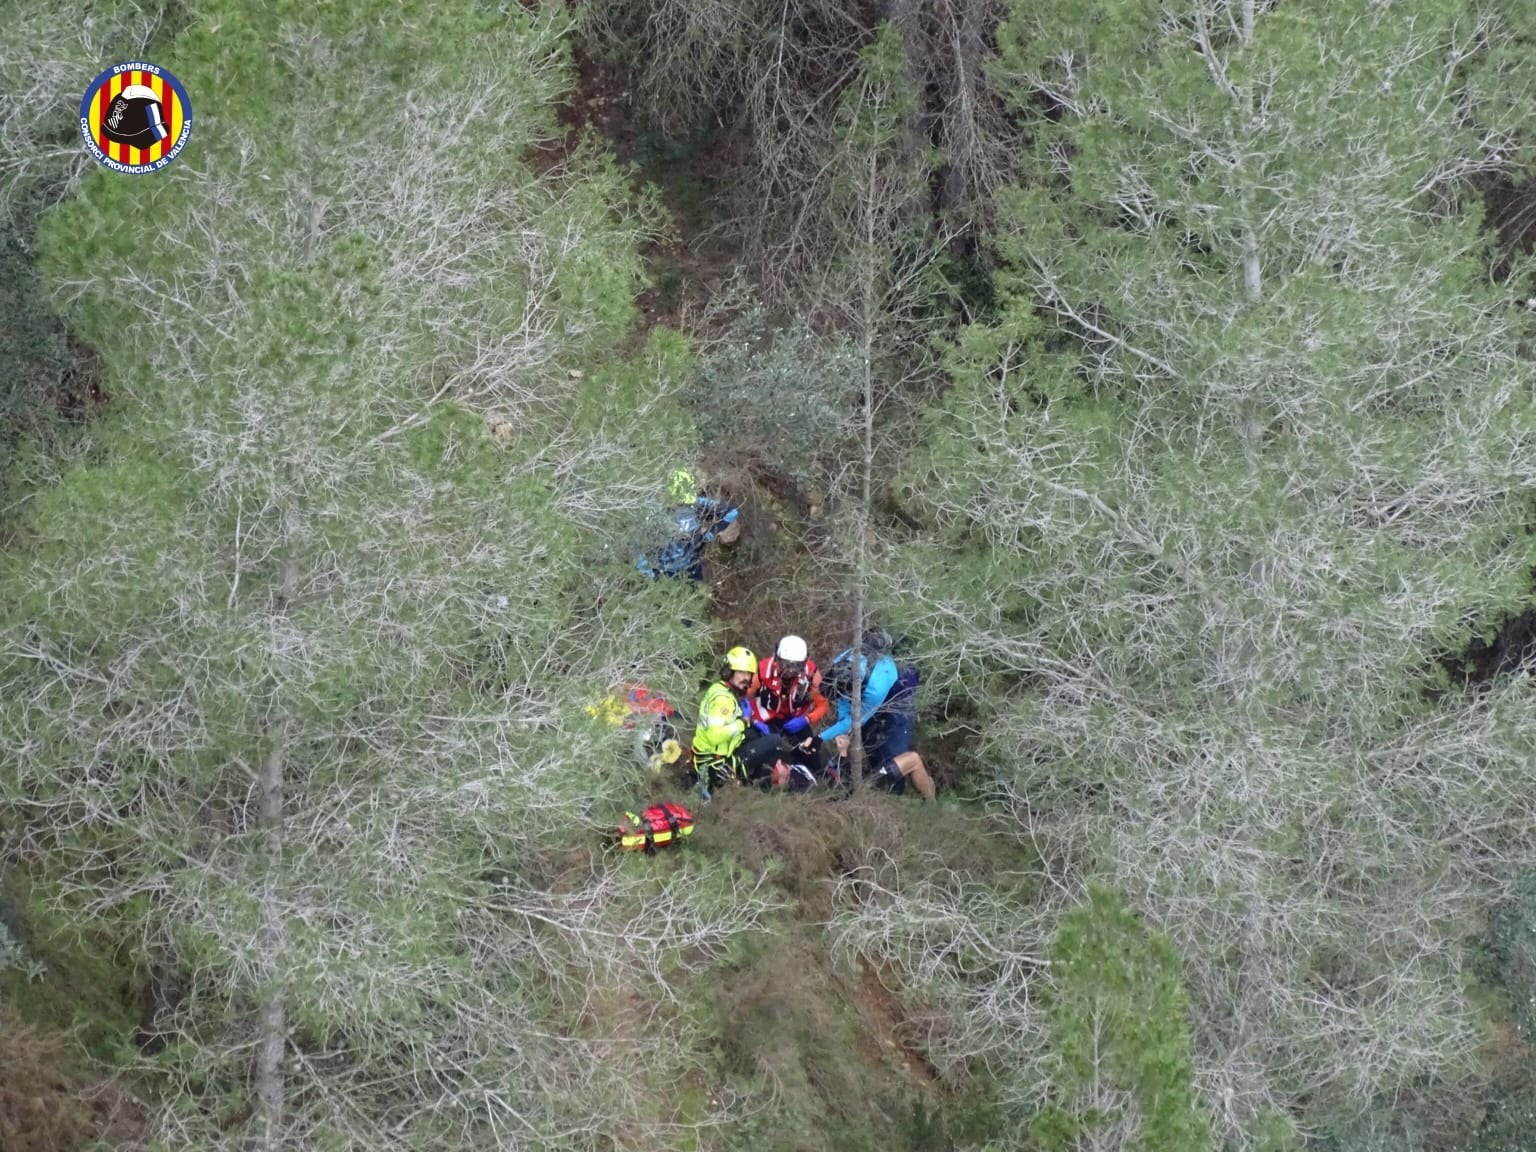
(797, 724)
(763, 728)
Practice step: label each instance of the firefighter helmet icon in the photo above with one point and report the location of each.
(135, 118)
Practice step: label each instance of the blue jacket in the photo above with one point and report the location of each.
(884, 686)
(695, 526)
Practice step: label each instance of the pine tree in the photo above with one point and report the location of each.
(1244, 450)
(294, 663)
(1123, 1076)
(878, 288)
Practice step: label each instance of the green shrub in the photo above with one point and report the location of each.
(1119, 1026)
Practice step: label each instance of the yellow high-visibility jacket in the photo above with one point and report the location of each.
(721, 727)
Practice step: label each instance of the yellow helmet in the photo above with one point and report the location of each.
(682, 487)
(740, 659)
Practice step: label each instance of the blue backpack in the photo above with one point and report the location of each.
(839, 680)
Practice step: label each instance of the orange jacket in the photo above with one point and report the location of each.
(775, 701)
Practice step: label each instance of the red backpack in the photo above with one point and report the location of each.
(659, 826)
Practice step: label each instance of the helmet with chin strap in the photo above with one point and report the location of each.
(792, 649)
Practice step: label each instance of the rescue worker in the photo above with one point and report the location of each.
(887, 714)
(788, 701)
(722, 751)
(788, 697)
(696, 519)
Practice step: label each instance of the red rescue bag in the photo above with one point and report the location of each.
(659, 826)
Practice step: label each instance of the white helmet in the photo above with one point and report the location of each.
(792, 648)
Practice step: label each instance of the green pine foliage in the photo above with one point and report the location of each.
(50, 52)
(267, 713)
(1118, 1023)
(1245, 450)
(787, 392)
(298, 636)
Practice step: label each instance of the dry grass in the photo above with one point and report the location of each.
(837, 1044)
(48, 1103)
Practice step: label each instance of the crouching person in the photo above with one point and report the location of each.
(722, 751)
(788, 700)
(887, 694)
(694, 520)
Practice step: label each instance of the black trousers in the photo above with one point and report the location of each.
(752, 761)
(757, 754)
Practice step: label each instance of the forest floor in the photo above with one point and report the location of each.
(55, 1031)
(841, 1038)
